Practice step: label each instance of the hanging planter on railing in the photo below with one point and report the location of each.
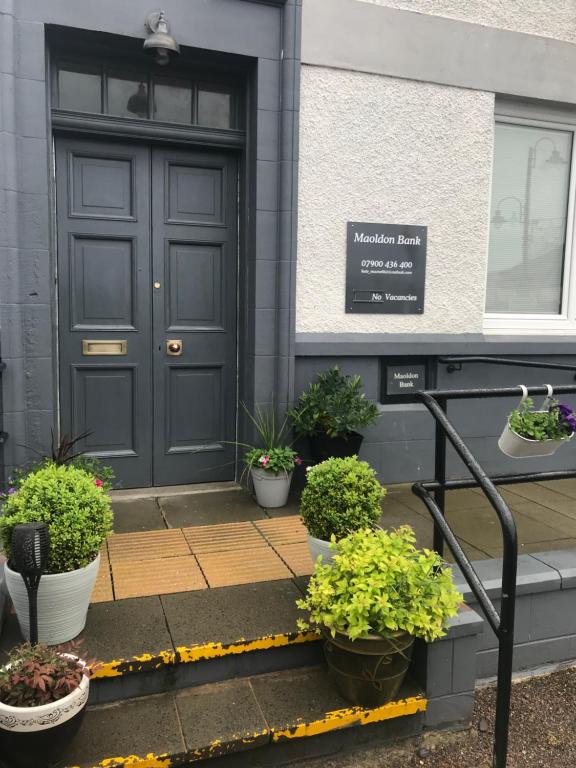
(537, 432)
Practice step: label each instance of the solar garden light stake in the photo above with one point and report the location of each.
(30, 553)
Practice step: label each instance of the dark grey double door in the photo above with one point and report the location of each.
(147, 267)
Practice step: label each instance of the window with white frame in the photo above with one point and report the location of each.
(530, 260)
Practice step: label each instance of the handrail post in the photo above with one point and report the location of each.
(505, 648)
(440, 476)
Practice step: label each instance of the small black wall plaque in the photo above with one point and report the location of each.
(385, 268)
(405, 379)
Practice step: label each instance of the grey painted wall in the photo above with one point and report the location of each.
(400, 445)
(268, 33)
(371, 38)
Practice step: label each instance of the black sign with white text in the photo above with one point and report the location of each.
(385, 268)
(405, 379)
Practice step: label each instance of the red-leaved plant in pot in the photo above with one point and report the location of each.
(43, 695)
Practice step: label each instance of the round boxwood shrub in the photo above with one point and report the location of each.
(77, 510)
(341, 496)
(380, 583)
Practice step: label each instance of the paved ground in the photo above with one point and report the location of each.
(541, 734)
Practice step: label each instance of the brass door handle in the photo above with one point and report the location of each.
(174, 347)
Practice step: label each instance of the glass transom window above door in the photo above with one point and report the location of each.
(530, 260)
(183, 100)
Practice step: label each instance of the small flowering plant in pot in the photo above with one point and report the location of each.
(271, 466)
(379, 593)
(43, 695)
(76, 507)
(341, 496)
(537, 432)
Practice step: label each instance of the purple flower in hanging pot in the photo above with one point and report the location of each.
(567, 416)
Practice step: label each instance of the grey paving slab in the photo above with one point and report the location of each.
(11, 635)
(563, 561)
(558, 521)
(533, 576)
(138, 727)
(126, 628)
(545, 496)
(210, 509)
(219, 719)
(228, 614)
(395, 516)
(547, 546)
(481, 528)
(141, 515)
(566, 487)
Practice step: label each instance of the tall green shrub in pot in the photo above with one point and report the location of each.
(79, 516)
(378, 594)
(330, 412)
(340, 496)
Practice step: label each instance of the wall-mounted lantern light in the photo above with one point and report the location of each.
(159, 42)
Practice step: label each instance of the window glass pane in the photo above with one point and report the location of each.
(127, 98)
(214, 108)
(530, 184)
(173, 102)
(80, 91)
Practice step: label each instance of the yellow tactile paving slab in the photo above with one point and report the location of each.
(148, 545)
(297, 558)
(103, 587)
(224, 569)
(282, 530)
(222, 538)
(139, 578)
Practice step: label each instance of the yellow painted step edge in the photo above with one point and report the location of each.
(191, 654)
(333, 721)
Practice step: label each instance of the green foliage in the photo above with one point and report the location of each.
(538, 425)
(35, 675)
(270, 433)
(334, 405)
(275, 460)
(78, 513)
(341, 496)
(380, 583)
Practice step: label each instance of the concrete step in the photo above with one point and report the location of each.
(256, 721)
(154, 644)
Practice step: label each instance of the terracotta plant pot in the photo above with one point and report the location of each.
(35, 737)
(369, 671)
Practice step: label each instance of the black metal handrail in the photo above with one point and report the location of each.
(436, 401)
(454, 363)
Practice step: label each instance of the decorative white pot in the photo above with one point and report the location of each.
(34, 737)
(320, 547)
(63, 600)
(271, 490)
(518, 447)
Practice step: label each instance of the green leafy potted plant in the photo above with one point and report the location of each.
(43, 695)
(379, 593)
(340, 496)
(530, 432)
(271, 465)
(330, 411)
(77, 510)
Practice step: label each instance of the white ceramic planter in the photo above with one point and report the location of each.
(320, 547)
(271, 490)
(63, 600)
(518, 447)
(31, 719)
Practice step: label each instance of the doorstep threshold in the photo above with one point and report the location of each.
(155, 491)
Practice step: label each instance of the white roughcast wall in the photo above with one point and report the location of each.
(378, 149)
(548, 18)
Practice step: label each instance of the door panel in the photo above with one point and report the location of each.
(104, 294)
(194, 225)
(131, 218)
